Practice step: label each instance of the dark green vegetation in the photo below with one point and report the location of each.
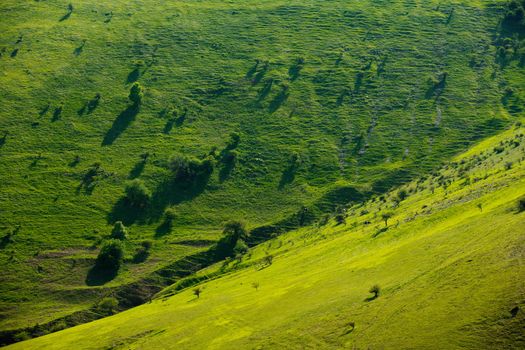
(165, 120)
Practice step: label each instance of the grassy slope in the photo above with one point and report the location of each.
(450, 275)
(366, 72)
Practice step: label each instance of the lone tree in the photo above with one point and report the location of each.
(376, 290)
(255, 285)
(197, 292)
(137, 194)
(119, 231)
(110, 255)
(386, 216)
(136, 94)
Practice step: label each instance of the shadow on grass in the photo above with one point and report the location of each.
(168, 192)
(137, 169)
(98, 276)
(120, 124)
(279, 100)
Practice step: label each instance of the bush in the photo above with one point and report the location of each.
(197, 292)
(137, 194)
(136, 94)
(119, 231)
(111, 255)
(521, 204)
(340, 219)
(107, 306)
(188, 169)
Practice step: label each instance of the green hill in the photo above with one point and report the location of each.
(449, 267)
(273, 113)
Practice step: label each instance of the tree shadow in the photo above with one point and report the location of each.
(226, 170)
(287, 176)
(134, 75)
(3, 140)
(279, 100)
(295, 69)
(98, 276)
(137, 169)
(252, 70)
(371, 298)
(163, 229)
(258, 77)
(120, 124)
(66, 16)
(123, 211)
(44, 110)
(57, 114)
(265, 90)
(79, 49)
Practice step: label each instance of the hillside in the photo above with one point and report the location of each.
(449, 265)
(176, 117)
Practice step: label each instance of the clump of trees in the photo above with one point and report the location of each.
(515, 12)
(232, 241)
(137, 194)
(111, 255)
(189, 169)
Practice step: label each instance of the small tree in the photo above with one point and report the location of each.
(255, 285)
(110, 255)
(197, 292)
(386, 216)
(119, 231)
(376, 290)
(480, 207)
(137, 194)
(136, 94)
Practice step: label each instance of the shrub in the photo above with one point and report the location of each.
(111, 255)
(137, 194)
(402, 195)
(119, 231)
(188, 169)
(340, 219)
(107, 306)
(255, 285)
(136, 94)
(521, 204)
(197, 292)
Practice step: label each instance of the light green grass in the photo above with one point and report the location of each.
(450, 274)
(201, 55)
